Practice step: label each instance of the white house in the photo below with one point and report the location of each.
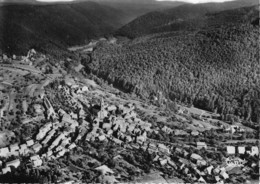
(209, 169)
(43, 130)
(231, 149)
(104, 170)
(73, 145)
(36, 160)
(14, 163)
(241, 150)
(14, 147)
(235, 162)
(224, 174)
(23, 149)
(201, 145)
(163, 148)
(254, 150)
(30, 143)
(6, 170)
(37, 147)
(4, 152)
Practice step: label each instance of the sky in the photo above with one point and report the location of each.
(50, 1)
(199, 1)
(189, 1)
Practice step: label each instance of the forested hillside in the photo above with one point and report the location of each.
(55, 26)
(184, 17)
(216, 68)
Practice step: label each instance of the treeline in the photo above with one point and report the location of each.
(213, 69)
(189, 17)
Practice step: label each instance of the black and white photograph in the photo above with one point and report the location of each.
(129, 91)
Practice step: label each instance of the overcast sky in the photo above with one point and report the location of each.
(189, 1)
(199, 1)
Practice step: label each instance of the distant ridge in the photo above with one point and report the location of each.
(177, 18)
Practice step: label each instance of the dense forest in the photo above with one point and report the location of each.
(216, 68)
(51, 28)
(55, 26)
(184, 17)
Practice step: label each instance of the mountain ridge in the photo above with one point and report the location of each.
(149, 23)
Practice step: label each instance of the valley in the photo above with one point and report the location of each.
(136, 91)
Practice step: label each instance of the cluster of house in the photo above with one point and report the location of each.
(16, 150)
(49, 135)
(251, 150)
(117, 123)
(235, 129)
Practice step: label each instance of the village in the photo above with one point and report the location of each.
(50, 116)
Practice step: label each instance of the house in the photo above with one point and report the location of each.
(216, 170)
(61, 152)
(163, 162)
(217, 178)
(23, 149)
(201, 180)
(209, 169)
(30, 143)
(111, 108)
(156, 158)
(43, 130)
(14, 163)
(6, 170)
(224, 174)
(163, 148)
(37, 147)
(128, 138)
(166, 129)
(36, 160)
(48, 106)
(185, 153)
(73, 145)
(254, 150)
(59, 148)
(201, 162)
(235, 162)
(171, 163)
(117, 141)
(235, 170)
(140, 139)
(241, 150)
(61, 112)
(195, 157)
(201, 145)
(183, 161)
(135, 146)
(14, 147)
(4, 152)
(152, 148)
(106, 126)
(110, 132)
(57, 140)
(49, 153)
(84, 89)
(231, 150)
(104, 170)
(178, 150)
(49, 136)
(194, 133)
(102, 137)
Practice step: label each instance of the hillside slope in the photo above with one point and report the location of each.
(215, 68)
(61, 25)
(187, 16)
